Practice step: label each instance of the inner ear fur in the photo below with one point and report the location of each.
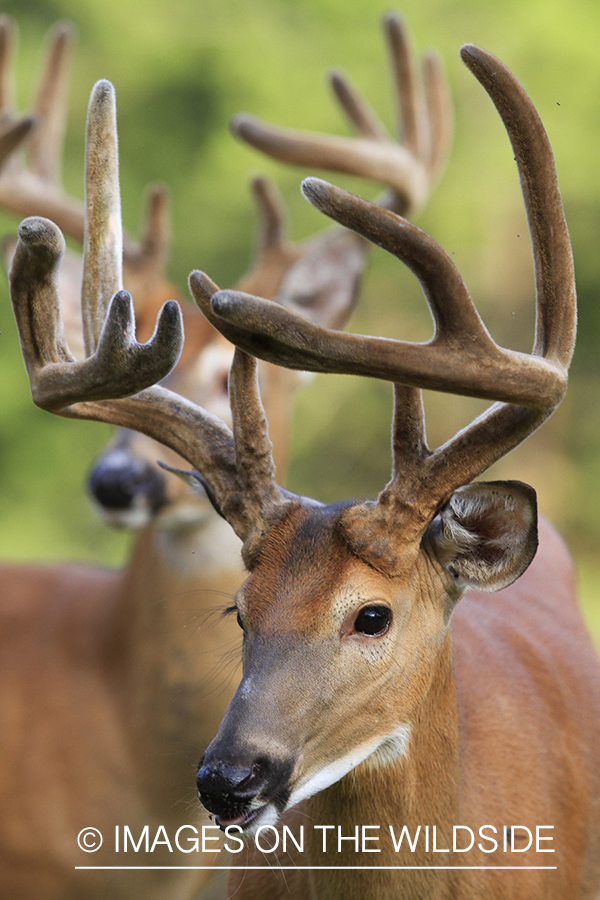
(486, 534)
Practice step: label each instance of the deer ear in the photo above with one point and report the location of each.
(323, 284)
(486, 534)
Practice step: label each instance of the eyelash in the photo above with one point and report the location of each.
(231, 610)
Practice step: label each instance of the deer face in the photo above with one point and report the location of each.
(339, 654)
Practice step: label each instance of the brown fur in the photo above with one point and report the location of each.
(507, 733)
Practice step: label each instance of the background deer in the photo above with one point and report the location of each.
(134, 682)
(365, 694)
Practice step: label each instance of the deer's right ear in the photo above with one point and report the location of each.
(486, 534)
(323, 284)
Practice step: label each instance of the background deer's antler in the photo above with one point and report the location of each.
(409, 166)
(31, 180)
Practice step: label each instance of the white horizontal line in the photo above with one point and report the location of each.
(309, 868)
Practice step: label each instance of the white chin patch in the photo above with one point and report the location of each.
(185, 514)
(381, 753)
(133, 518)
(267, 816)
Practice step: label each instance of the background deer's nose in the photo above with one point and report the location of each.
(119, 480)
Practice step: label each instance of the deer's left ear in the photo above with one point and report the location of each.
(486, 534)
(323, 284)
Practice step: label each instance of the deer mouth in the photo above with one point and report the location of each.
(245, 821)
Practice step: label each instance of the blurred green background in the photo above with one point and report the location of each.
(181, 70)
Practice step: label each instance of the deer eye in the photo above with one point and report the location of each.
(373, 620)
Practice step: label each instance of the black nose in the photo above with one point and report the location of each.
(119, 480)
(228, 790)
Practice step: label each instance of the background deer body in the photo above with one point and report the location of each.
(117, 679)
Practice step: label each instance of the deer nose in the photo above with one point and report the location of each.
(234, 791)
(228, 790)
(119, 481)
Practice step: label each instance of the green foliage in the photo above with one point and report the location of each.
(181, 70)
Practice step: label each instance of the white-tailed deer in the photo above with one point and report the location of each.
(115, 680)
(372, 692)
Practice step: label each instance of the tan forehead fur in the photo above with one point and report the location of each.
(303, 561)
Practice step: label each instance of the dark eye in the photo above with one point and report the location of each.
(239, 620)
(373, 620)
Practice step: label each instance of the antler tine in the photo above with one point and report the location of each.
(556, 319)
(257, 494)
(274, 253)
(13, 131)
(13, 135)
(117, 365)
(406, 168)
(103, 237)
(45, 148)
(243, 485)
(148, 258)
(408, 89)
(7, 45)
(358, 112)
(439, 104)
(272, 226)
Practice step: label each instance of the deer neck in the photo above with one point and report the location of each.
(181, 656)
(419, 790)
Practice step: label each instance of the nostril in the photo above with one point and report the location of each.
(240, 791)
(110, 490)
(229, 778)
